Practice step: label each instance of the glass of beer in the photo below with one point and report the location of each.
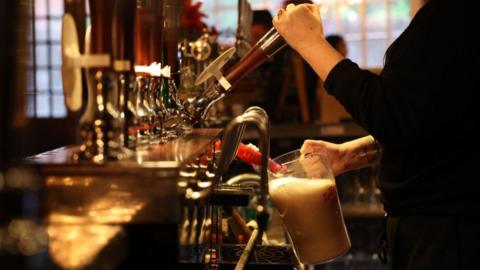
(305, 194)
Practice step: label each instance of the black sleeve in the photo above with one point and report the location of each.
(429, 81)
(362, 94)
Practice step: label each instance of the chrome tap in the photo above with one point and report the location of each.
(232, 136)
(101, 126)
(197, 108)
(245, 14)
(129, 113)
(157, 107)
(123, 60)
(144, 116)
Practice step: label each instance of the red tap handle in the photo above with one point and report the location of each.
(254, 157)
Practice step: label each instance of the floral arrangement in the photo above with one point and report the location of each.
(191, 19)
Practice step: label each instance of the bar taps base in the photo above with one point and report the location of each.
(101, 124)
(197, 108)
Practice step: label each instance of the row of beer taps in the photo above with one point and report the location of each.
(131, 62)
(132, 68)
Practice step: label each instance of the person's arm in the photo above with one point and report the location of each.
(302, 28)
(348, 156)
(361, 153)
(366, 96)
(360, 92)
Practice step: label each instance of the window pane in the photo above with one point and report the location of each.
(40, 8)
(227, 26)
(41, 30)
(354, 50)
(44, 90)
(375, 52)
(59, 109)
(42, 55)
(376, 17)
(55, 30)
(56, 7)
(228, 18)
(230, 3)
(349, 20)
(43, 106)
(396, 34)
(329, 1)
(29, 76)
(328, 18)
(57, 81)
(257, 2)
(208, 8)
(400, 10)
(42, 80)
(274, 8)
(30, 108)
(56, 56)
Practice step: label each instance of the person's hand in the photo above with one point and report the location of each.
(299, 25)
(334, 152)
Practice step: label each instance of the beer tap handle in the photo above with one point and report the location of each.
(215, 69)
(73, 61)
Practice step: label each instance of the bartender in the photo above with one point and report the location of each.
(423, 109)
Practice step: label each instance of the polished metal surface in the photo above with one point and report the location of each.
(161, 160)
(116, 212)
(233, 134)
(141, 189)
(272, 42)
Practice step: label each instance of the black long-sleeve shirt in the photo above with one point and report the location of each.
(424, 109)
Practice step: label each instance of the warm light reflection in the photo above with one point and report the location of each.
(188, 173)
(69, 181)
(75, 243)
(204, 184)
(23, 236)
(75, 246)
(118, 207)
(182, 184)
(21, 178)
(114, 207)
(191, 194)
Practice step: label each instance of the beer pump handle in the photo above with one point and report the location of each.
(73, 61)
(215, 69)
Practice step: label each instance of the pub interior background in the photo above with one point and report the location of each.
(34, 118)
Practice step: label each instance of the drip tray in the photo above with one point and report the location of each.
(262, 258)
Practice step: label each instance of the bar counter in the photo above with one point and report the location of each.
(120, 214)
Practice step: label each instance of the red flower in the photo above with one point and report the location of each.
(191, 17)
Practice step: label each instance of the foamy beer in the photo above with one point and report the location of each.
(306, 197)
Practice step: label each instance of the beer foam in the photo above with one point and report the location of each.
(310, 210)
